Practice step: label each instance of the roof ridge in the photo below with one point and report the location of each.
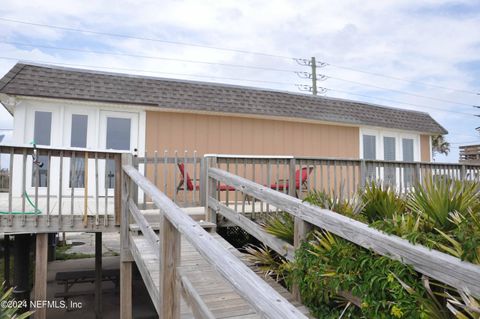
(224, 85)
(31, 79)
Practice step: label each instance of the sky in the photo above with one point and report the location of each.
(425, 48)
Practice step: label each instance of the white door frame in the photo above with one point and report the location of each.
(134, 126)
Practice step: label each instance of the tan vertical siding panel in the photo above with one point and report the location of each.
(425, 148)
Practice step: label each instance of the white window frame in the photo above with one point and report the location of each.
(398, 135)
(55, 137)
(134, 139)
(69, 111)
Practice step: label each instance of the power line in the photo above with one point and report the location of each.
(323, 77)
(117, 35)
(70, 29)
(399, 91)
(145, 71)
(319, 77)
(400, 102)
(149, 57)
(403, 80)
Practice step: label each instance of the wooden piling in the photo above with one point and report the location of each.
(41, 260)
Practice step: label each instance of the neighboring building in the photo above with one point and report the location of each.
(66, 107)
(470, 154)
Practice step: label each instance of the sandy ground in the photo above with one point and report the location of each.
(143, 307)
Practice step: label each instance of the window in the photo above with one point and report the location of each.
(389, 155)
(407, 146)
(369, 147)
(118, 138)
(42, 130)
(79, 131)
(42, 133)
(369, 153)
(78, 138)
(118, 133)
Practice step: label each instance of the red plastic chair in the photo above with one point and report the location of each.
(191, 186)
(283, 184)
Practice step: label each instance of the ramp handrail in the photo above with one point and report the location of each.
(173, 223)
(437, 265)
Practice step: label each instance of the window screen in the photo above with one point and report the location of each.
(369, 148)
(79, 131)
(118, 133)
(369, 153)
(42, 128)
(118, 138)
(78, 139)
(407, 144)
(42, 133)
(389, 155)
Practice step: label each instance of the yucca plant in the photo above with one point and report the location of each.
(430, 303)
(11, 313)
(464, 241)
(435, 200)
(268, 262)
(381, 202)
(336, 202)
(465, 306)
(280, 225)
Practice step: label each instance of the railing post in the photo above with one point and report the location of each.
(291, 177)
(169, 291)
(40, 289)
(363, 173)
(118, 188)
(462, 172)
(203, 183)
(418, 178)
(125, 253)
(301, 230)
(211, 190)
(134, 187)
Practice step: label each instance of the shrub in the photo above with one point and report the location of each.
(381, 202)
(280, 225)
(336, 202)
(11, 313)
(336, 276)
(437, 199)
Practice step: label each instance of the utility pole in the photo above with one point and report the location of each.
(313, 64)
(314, 75)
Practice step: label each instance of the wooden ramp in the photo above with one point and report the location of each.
(217, 294)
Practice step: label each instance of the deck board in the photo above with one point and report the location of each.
(215, 291)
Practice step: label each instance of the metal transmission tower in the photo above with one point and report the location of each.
(313, 75)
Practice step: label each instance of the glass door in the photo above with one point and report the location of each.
(119, 132)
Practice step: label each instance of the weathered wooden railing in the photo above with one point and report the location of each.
(52, 189)
(437, 265)
(175, 225)
(339, 176)
(163, 169)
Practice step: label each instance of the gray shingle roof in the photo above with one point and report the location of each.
(66, 83)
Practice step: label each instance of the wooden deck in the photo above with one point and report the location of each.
(217, 294)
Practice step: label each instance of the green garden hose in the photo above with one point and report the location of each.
(36, 212)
